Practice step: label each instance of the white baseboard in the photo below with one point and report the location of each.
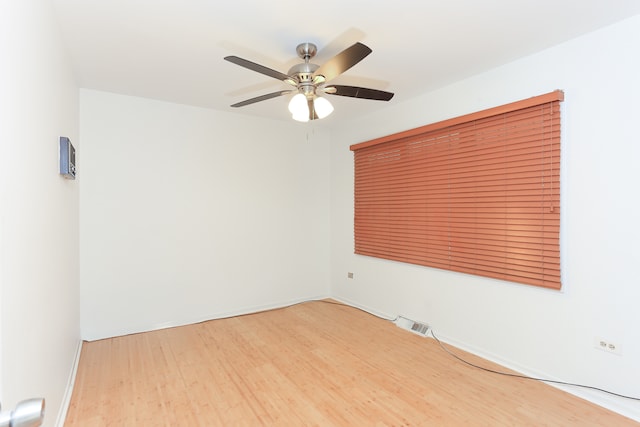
(193, 320)
(624, 407)
(238, 312)
(375, 312)
(66, 399)
(619, 405)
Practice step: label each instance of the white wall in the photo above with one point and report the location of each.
(190, 214)
(538, 331)
(39, 281)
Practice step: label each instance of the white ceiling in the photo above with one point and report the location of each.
(173, 49)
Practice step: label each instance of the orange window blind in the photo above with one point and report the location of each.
(477, 194)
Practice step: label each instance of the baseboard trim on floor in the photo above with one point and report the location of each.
(377, 313)
(618, 405)
(66, 399)
(212, 316)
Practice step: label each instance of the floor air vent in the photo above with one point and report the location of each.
(412, 326)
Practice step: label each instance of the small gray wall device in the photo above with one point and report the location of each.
(67, 158)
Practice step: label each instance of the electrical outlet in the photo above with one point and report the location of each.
(607, 346)
(349, 275)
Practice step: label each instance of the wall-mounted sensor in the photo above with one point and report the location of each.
(67, 158)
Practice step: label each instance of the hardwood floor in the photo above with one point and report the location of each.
(313, 364)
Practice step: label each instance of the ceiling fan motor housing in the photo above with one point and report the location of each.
(303, 73)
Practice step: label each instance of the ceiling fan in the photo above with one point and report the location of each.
(310, 80)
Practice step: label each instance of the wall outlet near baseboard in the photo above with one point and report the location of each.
(607, 346)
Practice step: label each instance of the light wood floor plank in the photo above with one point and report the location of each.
(313, 364)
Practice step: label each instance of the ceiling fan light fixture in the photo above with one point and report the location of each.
(299, 108)
(298, 105)
(301, 117)
(323, 107)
